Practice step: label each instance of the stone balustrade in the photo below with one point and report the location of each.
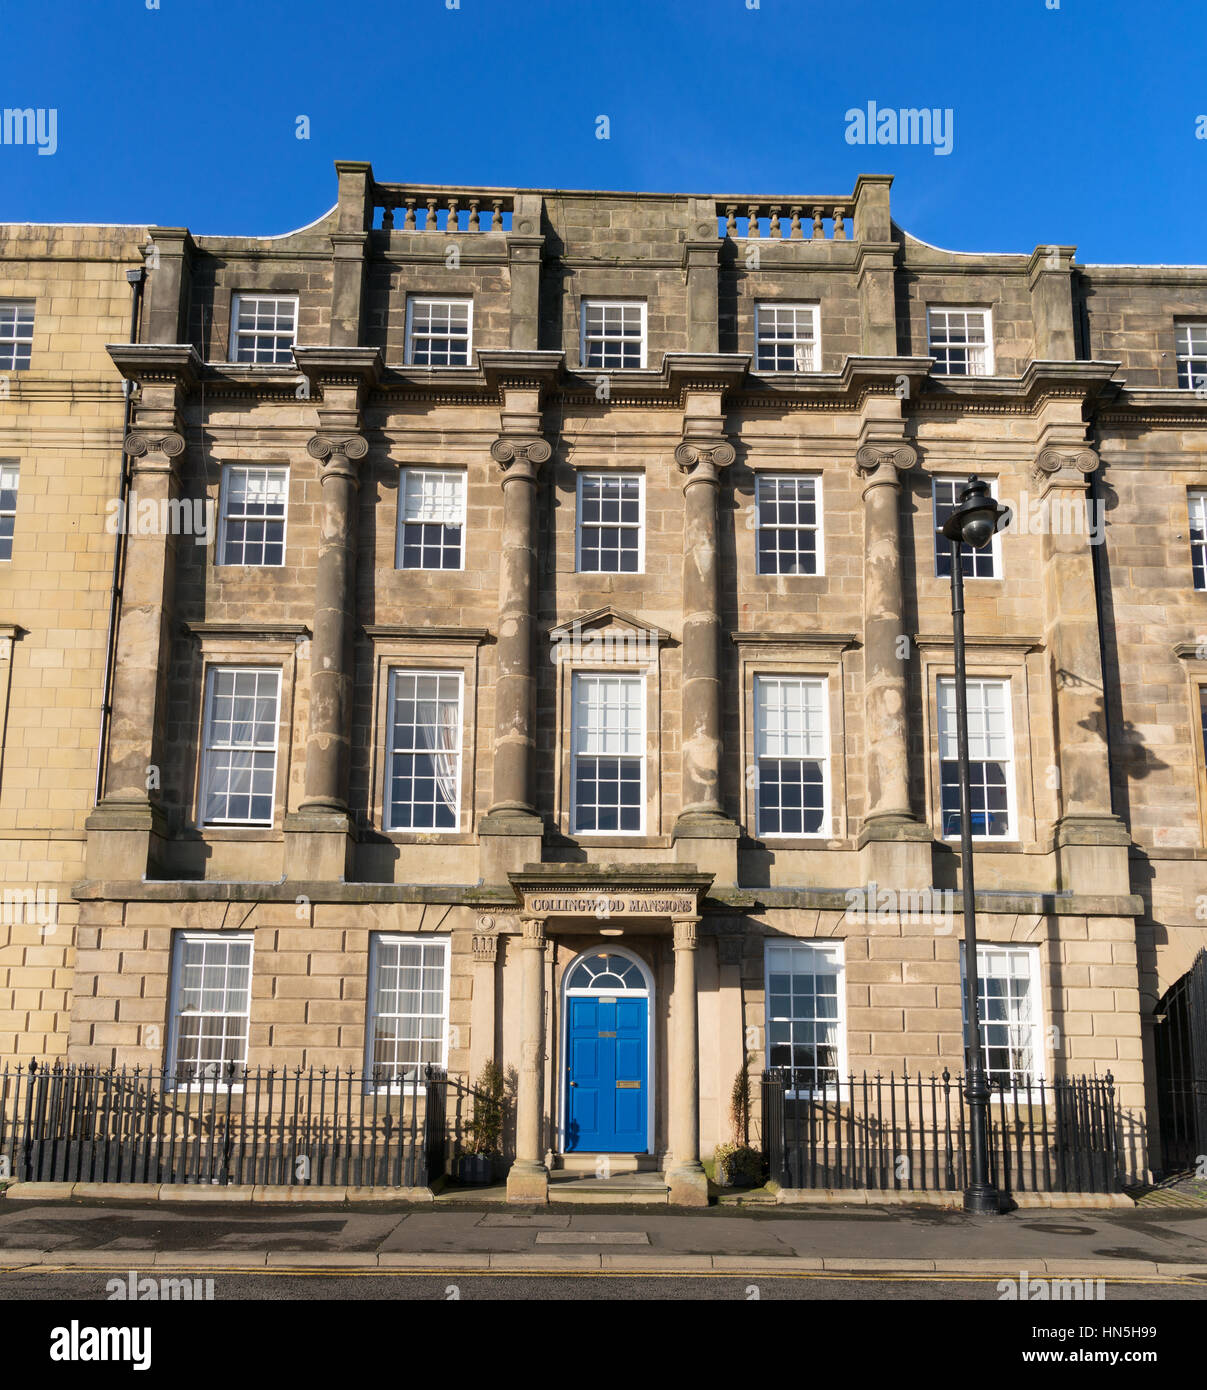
(411, 209)
(803, 219)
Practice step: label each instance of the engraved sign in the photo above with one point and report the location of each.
(596, 902)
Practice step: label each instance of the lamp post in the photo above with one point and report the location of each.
(973, 523)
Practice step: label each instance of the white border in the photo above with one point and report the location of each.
(826, 823)
(219, 562)
(179, 937)
(1012, 833)
(376, 940)
(206, 720)
(610, 473)
(232, 333)
(819, 528)
(422, 468)
(814, 308)
(811, 945)
(995, 543)
(990, 345)
(412, 300)
(638, 677)
(590, 301)
(1039, 1069)
(386, 804)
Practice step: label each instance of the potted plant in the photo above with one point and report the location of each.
(485, 1129)
(737, 1164)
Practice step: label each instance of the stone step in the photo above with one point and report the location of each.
(616, 1163)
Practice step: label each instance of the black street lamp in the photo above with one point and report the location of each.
(973, 523)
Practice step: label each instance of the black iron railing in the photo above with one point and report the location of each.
(913, 1134)
(267, 1126)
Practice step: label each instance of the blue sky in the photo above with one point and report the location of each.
(1072, 125)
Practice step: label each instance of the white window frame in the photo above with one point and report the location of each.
(10, 468)
(609, 475)
(637, 679)
(419, 471)
(439, 672)
(822, 683)
(11, 338)
(840, 1090)
(237, 301)
(209, 748)
(376, 941)
(1196, 502)
(172, 1059)
(268, 469)
(1034, 979)
(812, 344)
(818, 527)
(941, 367)
(1194, 362)
(442, 300)
(993, 549)
(593, 303)
(1010, 761)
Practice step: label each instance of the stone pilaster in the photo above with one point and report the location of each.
(127, 828)
(703, 833)
(895, 845)
(1050, 280)
(525, 248)
(354, 218)
(170, 265)
(1092, 843)
(875, 266)
(686, 1180)
(528, 1180)
(482, 1023)
(701, 264)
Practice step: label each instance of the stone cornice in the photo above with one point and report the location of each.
(157, 363)
(926, 641)
(404, 632)
(834, 641)
(258, 632)
(1040, 381)
(339, 366)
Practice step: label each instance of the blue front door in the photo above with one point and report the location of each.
(607, 1100)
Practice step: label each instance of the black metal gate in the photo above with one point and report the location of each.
(1180, 1036)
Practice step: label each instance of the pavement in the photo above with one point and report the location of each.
(48, 1236)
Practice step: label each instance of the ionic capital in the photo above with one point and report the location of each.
(168, 443)
(338, 455)
(702, 460)
(520, 458)
(1075, 464)
(884, 463)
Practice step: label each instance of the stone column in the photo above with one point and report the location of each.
(318, 843)
(686, 1179)
(899, 843)
(1092, 842)
(127, 830)
(511, 815)
(528, 1180)
(701, 817)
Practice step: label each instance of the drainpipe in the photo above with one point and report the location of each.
(1096, 562)
(136, 278)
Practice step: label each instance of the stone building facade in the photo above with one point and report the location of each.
(531, 620)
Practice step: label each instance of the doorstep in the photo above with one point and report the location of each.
(620, 1189)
